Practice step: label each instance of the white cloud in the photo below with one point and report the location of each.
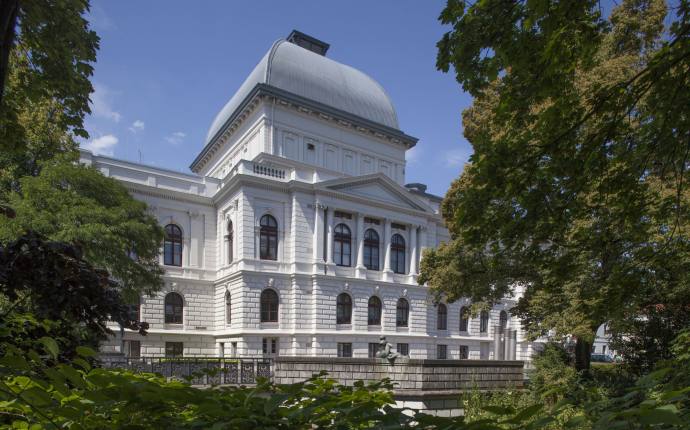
(137, 126)
(176, 138)
(101, 103)
(103, 145)
(456, 157)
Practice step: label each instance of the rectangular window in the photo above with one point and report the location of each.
(132, 348)
(403, 349)
(603, 349)
(398, 226)
(442, 352)
(464, 352)
(374, 221)
(345, 350)
(174, 349)
(269, 346)
(373, 349)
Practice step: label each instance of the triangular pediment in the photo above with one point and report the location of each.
(376, 187)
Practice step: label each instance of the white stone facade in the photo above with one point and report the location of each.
(311, 167)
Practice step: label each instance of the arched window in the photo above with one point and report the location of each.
(464, 318)
(371, 249)
(174, 308)
(269, 306)
(374, 311)
(442, 317)
(268, 238)
(342, 245)
(503, 321)
(402, 313)
(228, 308)
(344, 309)
(229, 237)
(398, 254)
(172, 246)
(484, 322)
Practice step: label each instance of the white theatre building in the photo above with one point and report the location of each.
(296, 234)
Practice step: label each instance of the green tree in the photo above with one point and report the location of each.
(72, 203)
(576, 189)
(55, 38)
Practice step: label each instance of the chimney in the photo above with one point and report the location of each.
(307, 42)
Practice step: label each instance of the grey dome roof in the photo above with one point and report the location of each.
(315, 77)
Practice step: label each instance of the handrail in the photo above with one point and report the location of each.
(199, 370)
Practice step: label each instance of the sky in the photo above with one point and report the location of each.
(165, 69)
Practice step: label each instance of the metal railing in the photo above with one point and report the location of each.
(199, 370)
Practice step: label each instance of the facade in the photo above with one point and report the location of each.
(295, 234)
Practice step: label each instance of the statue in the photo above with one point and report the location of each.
(386, 350)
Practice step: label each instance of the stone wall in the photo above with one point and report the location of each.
(410, 376)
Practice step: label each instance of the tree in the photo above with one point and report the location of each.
(52, 291)
(576, 189)
(71, 203)
(55, 37)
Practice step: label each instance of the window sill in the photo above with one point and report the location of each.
(269, 325)
(374, 327)
(173, 326)
(343, 327)
(402, 329)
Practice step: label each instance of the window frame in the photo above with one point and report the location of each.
(374, 305)
(484, 322)
(372, 250)
(342, 245)
(228, 308)
(268, 238)
(403, 349)
(343, 309)
(402, 311)
(344, 349)
(229, 239)
(173, 245)
(398, 254)
(269, 310)
(176, 309)
(171, 347)
(464, 319)
(441, 317)
(442, 352)
(503, 321)
(373, 349)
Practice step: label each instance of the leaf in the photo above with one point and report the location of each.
(36, 396)
(50, 346)
(85, 351)
(667, 414)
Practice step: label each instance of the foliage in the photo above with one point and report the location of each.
(576, 189)
(50, 282)
(58, 49)
(35, 391)
(646, 339)
(72, 203)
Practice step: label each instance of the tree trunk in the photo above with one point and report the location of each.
(9, 9)
(583, 354)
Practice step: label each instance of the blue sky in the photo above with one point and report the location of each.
(165, 68)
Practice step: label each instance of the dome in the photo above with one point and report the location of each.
(300, 71)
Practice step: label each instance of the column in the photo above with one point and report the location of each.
(360, 269)
(329, 245)
(318, 237)
(413, 252)
(387, 272)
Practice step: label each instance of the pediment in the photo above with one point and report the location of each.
(376, 187)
